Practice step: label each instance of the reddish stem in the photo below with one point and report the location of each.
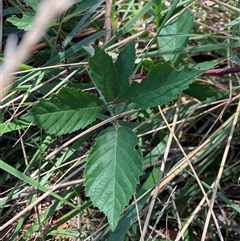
(221, 72)
(141, 75)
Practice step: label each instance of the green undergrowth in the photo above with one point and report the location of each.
(92, 126)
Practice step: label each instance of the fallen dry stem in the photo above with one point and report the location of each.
(14, 55)
(162, 170)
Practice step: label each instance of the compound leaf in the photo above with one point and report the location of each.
(66, 112)
(112, 171)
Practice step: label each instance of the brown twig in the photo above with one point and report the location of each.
(107, 24)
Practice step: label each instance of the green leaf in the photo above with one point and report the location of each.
(112, 171)
(24, 23)
(175, 34)
(163, 84)
(21, 65)
(147, 64)
(66, 112)
(124, 66)
(33, 4)
(158, 11)
(201, 92)
(1, 118)
(203, 65)
(103, 74)
(78, 8)
(236, 21)
(12, 126)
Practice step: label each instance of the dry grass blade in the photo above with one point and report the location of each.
(228, 6)
(38, 200)
(107, 23)
(48, 10)
(155, 192)
(183, 164)
(220, 172)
